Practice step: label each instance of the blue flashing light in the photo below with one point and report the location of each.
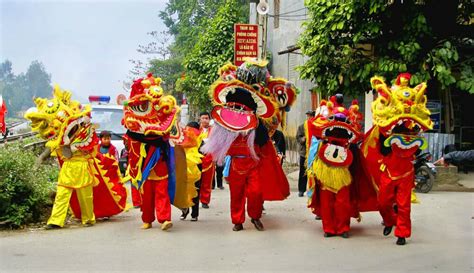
(99, 99)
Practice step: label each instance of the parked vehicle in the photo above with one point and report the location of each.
(108, 117)
(425, 172)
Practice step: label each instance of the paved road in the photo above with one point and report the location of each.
(293, 242)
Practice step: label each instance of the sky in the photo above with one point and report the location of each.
(85, 45)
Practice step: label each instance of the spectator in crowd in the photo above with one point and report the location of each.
(301, 139)
(106, 146)
(208, 166)
(218, 178)
(457, 158)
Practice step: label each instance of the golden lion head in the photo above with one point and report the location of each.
(62, 121)
(400, 109)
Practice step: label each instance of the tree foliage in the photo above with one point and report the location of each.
(18, 91)
(202, 40)
(349, 41)
(186, 20)
(25, 189)
(157, 49)
(169, 70)
(214, 48)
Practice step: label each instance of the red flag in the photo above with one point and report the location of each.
(3, 111)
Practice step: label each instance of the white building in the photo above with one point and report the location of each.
(284, 27)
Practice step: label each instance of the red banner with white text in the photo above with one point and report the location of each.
(245, 42)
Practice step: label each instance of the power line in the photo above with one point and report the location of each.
(294, 20)
(288, 12)
(288, 16)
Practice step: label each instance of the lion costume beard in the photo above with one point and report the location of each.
(222, 139)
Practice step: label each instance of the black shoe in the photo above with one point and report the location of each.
(387, 230)
(345, 235)
(317, 217)
(327, 234)
(258, 224)
(401, 241)
(238, 227)
(221, 187)
(51, 226)
(184, 213)
(194, 219)
(301, 194)
(205, 206)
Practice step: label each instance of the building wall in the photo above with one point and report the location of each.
(285, 34)
(279, 39)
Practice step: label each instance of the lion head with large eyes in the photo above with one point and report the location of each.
(337, 127)
(400, 109)
(148, 111)
(62, 121)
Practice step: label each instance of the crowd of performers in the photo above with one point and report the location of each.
(168, 164)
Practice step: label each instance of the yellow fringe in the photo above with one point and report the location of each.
(331, 178)
(414, 199)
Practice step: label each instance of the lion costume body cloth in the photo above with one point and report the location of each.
(239, 140)
(150, 117)
(331, 137)
(388, 150)
(88, 181)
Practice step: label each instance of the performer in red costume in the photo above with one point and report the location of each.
(150, 117)
(208, 166)
(400, 115)
(240, 141)
(396, 184)
(136, 197)
(3, 112)
(329, 136)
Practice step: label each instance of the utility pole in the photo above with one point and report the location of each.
(262, 10)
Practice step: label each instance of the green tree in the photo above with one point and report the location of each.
(349, 41)
(16, 97)
(213, 49)
(6, 73)
(159, 49)
(38, 81)
(18, 91)
(25, 188)
(168, 70)
(186, 21)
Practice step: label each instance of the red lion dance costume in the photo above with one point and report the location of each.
(329, 136)
(150, 117)
(3, 112)
(208, 171)
(240, 140)
(400, 116)
(88, 181)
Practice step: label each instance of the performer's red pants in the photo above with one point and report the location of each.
(155, 198)
(335, 211)
(206, 180)
(399, 192)
(244, 184)
(136, 197)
